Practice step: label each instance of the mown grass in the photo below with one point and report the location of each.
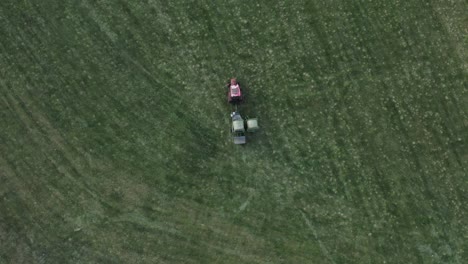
(115, 142)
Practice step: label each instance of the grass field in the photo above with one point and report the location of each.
(115, 143)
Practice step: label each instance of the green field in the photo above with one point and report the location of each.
(115, 143)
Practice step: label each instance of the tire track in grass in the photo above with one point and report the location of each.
(369, 181)
(314, 233)
(45, 182)
(32, 210)
(430, 187)
(31, 123)
(193, 227)
(450, 134)
(152, 79)
(27, 188)
(398, 117)
(354, 178)
(141, 66)
(40, 60)
(33, 119)
(216, 52)
(433, 203)
(11, 169)
(454, 23)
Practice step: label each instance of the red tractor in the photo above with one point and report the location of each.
(234, 93)
(239, 126)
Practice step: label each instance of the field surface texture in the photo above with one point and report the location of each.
(115, 143)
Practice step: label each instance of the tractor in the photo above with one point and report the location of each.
(234, 92)
(239, 126)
